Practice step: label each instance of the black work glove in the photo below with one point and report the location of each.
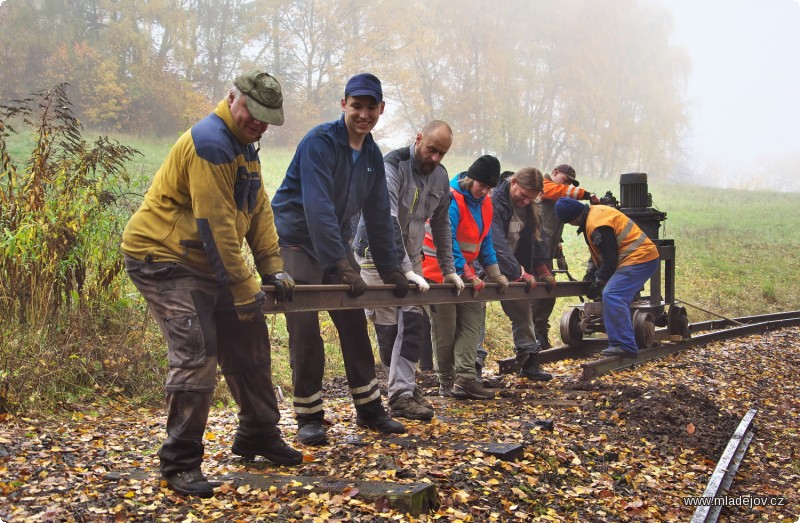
(595, 289)
(252, 312)
(399, 280)
(348, 275)
(283, 283)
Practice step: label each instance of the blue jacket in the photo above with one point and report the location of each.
(487, 255)
(323, 190)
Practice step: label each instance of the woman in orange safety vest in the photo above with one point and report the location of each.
(456, 326)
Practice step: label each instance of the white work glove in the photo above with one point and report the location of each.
(456, 280)
(422, 285)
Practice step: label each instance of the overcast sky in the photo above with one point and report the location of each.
(745, 84)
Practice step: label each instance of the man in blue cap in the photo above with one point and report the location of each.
(337, 171)
(623, 258)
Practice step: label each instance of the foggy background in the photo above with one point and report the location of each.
(535, 82)
(743, 91)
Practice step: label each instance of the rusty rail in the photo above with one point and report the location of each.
(333, 297)
(750, 325)
(725, 470)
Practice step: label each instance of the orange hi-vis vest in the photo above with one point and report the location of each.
(633, 245)
(468, 236)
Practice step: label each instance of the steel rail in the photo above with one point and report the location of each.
(334, 297)
(603, 366)
(726, 468)
(721, 324)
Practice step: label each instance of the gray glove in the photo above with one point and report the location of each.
(493, 275)
(455, 279)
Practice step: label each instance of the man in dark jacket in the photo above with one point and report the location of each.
(337, 172)
(522, 255)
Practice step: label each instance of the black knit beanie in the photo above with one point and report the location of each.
(485, 169)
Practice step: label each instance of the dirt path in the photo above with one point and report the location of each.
(626, 447)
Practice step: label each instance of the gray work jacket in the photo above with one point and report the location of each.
(415, 198)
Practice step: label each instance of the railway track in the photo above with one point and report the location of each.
(720, 330)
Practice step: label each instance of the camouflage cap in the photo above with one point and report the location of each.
(263, 96)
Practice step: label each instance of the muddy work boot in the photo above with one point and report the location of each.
(419, 398)
(271, 447)
(446, 387)
(189, 483)
(464, 388)
(531, 370)
(407, 407)
(311, 432)
(373, 416)
(382, 423)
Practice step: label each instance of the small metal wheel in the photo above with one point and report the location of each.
(571, 332)
(644, 329)
(678, 321)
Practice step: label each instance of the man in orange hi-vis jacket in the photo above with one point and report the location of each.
(623, 258)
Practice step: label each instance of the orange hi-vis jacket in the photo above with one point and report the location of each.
(468, 237)
(553, 191)
(633, 245)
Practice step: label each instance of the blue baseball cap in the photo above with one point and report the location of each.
(364, 84)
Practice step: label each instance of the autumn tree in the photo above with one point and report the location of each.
(595, 84)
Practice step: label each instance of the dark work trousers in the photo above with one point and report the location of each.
(520, 312)
(308, 351)
(426, 355)
(198, 319)
(542, 308)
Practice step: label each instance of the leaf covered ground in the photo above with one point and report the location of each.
(625, 447)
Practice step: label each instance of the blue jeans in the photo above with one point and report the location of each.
(618, 295)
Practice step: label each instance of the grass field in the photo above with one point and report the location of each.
(736, 254)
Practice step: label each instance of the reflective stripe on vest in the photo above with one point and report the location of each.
(468, 237)
(633, 245)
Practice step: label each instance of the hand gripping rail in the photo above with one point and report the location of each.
(333, 297)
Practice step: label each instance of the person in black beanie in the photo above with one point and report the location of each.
(456, 327)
